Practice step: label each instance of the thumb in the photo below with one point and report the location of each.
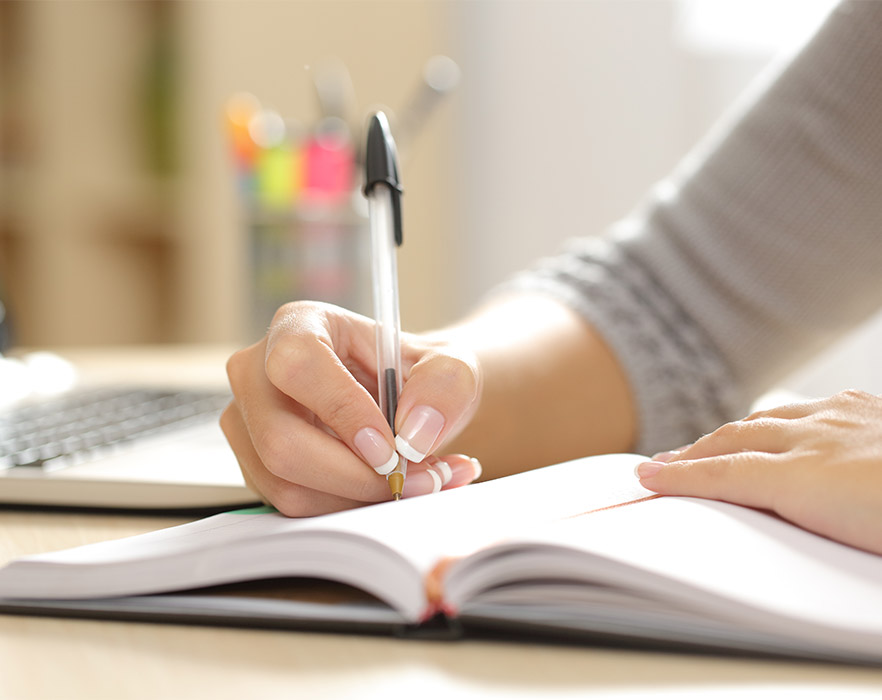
(439, 396)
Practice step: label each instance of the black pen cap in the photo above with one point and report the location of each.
(381, 165)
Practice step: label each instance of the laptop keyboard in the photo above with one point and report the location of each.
(71, 428)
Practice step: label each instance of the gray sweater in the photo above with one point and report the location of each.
(763, 247)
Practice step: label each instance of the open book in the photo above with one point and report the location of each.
(577, 550)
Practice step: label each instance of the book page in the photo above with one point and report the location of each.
(748, 570)
(453, 523)
(385, 549)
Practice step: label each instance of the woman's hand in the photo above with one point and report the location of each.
(305, 425)
(817, 464)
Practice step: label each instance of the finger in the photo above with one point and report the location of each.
(305, 454)
(669, 455)
(289, 445)
(792, 411)
(439, 395)
(770, 430)
(748, 478)
(297, 501)
(437, 473)
(759, 434)
(725, 438)
(237, 436)
(290, 499)
(304, 360)
(465, 470)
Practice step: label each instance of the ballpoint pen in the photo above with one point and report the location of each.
(383, 191)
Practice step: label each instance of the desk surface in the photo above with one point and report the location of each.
(55, 658)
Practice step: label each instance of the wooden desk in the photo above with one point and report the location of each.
(55, 658)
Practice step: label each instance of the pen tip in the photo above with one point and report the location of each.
(396, 484)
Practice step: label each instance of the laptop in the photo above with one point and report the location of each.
(70, 442)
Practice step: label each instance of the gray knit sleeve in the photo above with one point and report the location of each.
(762, 248)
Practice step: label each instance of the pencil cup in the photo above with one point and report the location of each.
(304, 218)
(311, 252)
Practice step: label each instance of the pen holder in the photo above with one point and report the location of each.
(315, 252)
(305, 219)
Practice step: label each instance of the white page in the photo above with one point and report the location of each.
(421, 530)
(737, 564)
(456, 522)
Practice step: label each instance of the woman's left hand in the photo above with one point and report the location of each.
(817, 464)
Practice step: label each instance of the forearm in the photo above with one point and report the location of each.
(759, 250)
(552, 390)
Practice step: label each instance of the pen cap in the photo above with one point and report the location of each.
(381, 165)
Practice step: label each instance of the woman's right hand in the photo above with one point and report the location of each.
(305, 425)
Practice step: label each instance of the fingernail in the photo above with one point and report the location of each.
(665, 456)
(648, 469)
(478, 469)
(436, 480)
(421, 483)
(418, 434)
(444, 471)
(375, 450)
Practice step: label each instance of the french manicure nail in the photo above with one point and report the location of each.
(648, 469)
(478, 468)
(375, 450)
(444, 471)
(420, 483)
(436, 480)
(418, 434)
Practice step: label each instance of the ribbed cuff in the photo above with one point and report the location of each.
(680, 383)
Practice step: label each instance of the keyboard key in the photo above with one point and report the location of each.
(56, 432)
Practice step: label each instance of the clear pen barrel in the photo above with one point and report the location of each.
(386, 313)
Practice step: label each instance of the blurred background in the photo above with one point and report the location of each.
(169, 171)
